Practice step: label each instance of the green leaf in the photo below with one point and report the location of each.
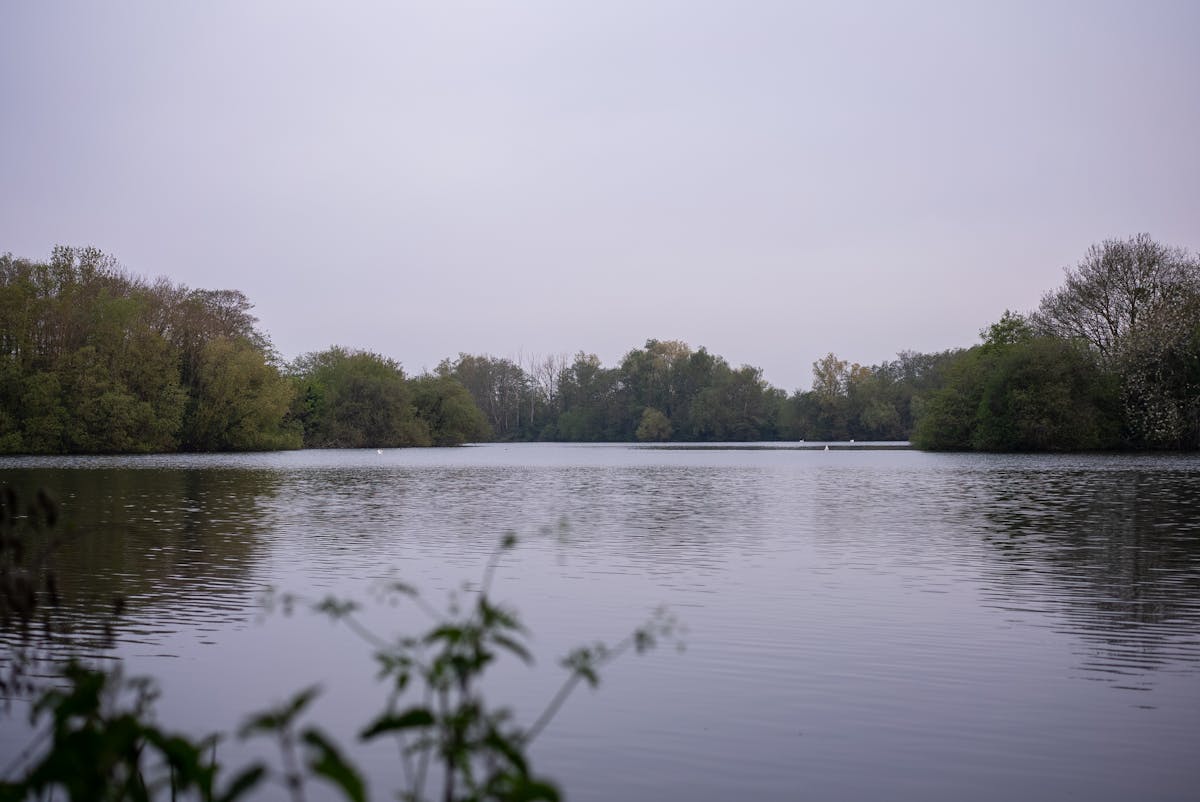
(280, 717)
(446, 632)
(185, 758)
(243, 782)
(391, 722)
(513, 646)
(329, 763)
(510, 749)
(496, 616)
(530, 790)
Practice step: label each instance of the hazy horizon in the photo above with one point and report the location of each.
(772, 181)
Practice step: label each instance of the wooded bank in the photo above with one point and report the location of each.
(95, 360)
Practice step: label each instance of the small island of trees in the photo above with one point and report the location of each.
(95, 360)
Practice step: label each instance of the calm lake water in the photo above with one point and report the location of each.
(862, 625)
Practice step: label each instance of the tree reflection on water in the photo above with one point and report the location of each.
(1118, 552)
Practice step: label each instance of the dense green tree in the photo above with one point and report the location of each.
(654, 376)
(1020, 392)
(907, 382)
(96, 360)
(654, 426)
(948, 418)
(699, 393)
(193, 318)
(1045, 394)
(355, 399)
(692, 376)
(1010, 329)
(591, 399)
(448, 412)
(830, 410)
(44, 415)
(123, 387)
(737, 406)
(238, 401)
(109, 413)
(11, 441)
(811, 416)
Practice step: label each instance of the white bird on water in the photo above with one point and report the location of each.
(379, 451)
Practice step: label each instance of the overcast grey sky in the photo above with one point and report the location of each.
(773, 180)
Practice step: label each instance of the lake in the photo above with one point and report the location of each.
(861, 624)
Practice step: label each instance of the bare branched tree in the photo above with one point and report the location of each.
(547, 375)
(1117, 285)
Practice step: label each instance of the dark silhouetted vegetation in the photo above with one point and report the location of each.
(1022, 392)
(97, 738)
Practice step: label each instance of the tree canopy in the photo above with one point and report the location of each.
(94, 360)
(1115, 289)
(1020, 392)
(1136, 303)
(359, 399)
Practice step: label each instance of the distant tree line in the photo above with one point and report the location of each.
(94, 360)
(662, 391)
(1110, 360)
(666, 391)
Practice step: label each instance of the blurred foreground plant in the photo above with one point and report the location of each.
(101, 742)
(447, 734)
